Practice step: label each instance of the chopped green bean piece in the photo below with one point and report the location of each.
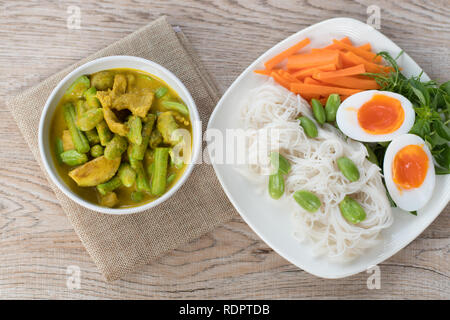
(109, 186)
(155, 139)
(171, 178)
(105, 135)
(78, 87)
(135, 132)
(138, 150)
(79, 139)
(175, 106)
(142, 181)
(91, 98)
(160, 171)
(137, 196)
(116, 147)
(92, 137)
(96, 151)
(73, 157)
(160, 92)
(88, 120)
(59, 148)
(127, 175)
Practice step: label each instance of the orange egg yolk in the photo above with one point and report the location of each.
(410, 167)
(381, 114)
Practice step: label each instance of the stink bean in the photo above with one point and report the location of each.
(348, 168)
(309, 127)
(332, 106)
(276, 185)
(351, 210)
(307, 200)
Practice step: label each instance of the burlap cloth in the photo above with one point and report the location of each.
(118, 244)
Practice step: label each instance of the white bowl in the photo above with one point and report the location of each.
(105, 64)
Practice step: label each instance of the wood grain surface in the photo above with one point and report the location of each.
(37, 243)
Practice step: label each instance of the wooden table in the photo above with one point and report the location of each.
(37, 243)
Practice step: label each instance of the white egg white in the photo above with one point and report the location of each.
(411, 199)
(347, 117)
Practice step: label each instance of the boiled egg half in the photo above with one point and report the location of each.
(409, 172)
(375, 116)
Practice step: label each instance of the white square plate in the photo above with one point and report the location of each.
(271, 219)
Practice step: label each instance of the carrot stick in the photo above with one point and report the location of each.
(367, 55)
(320, 89)
(366, 47)
(309, 60)
(353, 59)
(271, 63)
(309, 80)
(345, 40)
(310, 71)
(282, 81)
(352, 83)
(263, 72)
(351, 71)
(286, 75)
(309, 96)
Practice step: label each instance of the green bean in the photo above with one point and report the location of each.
(348, 168)
(79, 139)
(88, 120)
(171, 178)
(80, 108)
(150, 170)
(160, 92)
(91, 99)
(160, 172)
(276, 185)
(318, 111)
(92, 137)
(143, 76)
(155, 139)
(109, 186)
(135, 132)
(73, 157)
(104, 134)
(280, 163)
(175, 106)
(59, 148)
(351, 210)
(307, 200)
(142, 181)
(309, 127)
(102, 80)
(115, 147)
(149, 156)
(96, 151)
(371, 156)
(78, 87)
(332, 106)
(138, 150)
(127, 174)
(137, 196)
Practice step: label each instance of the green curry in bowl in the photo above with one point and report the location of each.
(115, 137)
